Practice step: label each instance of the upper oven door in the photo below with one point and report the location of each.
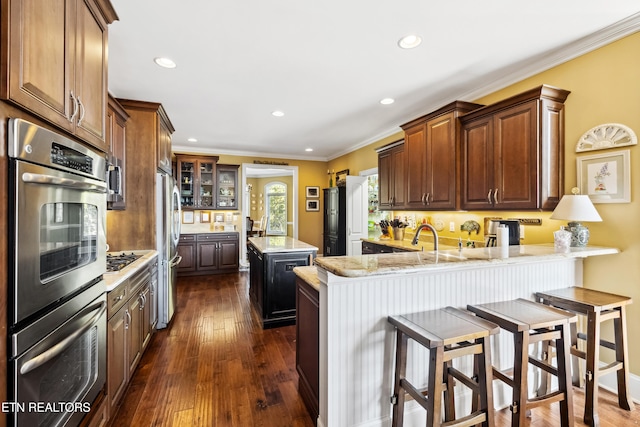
(59, 236)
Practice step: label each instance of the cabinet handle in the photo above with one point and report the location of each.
(128, 321)
(427, 198)
(118, 298)
(489, 196)
(75, 107)
(81, 118)
(143, 302)
(495, 196)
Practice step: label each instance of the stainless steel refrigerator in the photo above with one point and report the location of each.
(168, 214)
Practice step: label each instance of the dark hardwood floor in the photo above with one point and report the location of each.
(215, 366)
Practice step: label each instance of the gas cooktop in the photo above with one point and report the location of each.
(116, 262)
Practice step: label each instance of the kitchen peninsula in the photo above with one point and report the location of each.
(272, 282)
(357, 294)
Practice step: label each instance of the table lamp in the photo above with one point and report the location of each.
(576, 208)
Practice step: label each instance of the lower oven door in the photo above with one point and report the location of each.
(56, 380)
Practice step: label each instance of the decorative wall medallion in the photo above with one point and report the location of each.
(611, 135)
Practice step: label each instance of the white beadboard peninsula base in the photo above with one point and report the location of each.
(357, 344)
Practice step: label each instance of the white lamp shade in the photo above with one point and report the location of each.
(577, 207)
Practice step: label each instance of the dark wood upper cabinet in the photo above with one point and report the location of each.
(197, 181)
(57, 66)
(431, 150)
(512, 152)
(227, 186)
(392, 176)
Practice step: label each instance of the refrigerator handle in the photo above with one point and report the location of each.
(175, 261)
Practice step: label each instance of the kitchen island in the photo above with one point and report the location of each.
(272, 282)
(357, 293)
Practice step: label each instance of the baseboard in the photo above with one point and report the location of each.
(610, 383)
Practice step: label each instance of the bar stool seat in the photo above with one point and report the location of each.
(598, 307)
(447, 333)
(531, 322)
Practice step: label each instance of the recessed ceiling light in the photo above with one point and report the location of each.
(387, 101)
(410, 41)
(277, 113)
(192, 140)
(164, 62)
(308, 149)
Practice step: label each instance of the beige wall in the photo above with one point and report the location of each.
(605, 88)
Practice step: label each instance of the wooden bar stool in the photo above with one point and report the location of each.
(447, 333)
(530, 322)
(597, 307)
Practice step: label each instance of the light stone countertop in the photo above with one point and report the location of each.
(275, 244)
(113, 279)
(309, 274)
(370, 265)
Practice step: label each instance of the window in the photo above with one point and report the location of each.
(276, 208)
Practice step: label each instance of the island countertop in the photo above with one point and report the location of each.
(358, 293)
(370, 265)
(275, 244)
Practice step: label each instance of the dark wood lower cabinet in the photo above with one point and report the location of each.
(208, 253)
(308, 345)
(369, 248)
(187, 250)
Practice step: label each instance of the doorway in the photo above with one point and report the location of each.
(251, 199)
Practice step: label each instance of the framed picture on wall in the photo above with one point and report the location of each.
(205, 216)
(605, 178)
(187, 217)
(313, 192)
(341, 178)
(313, 205)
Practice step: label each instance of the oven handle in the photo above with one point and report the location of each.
(61, 346)
(36, 178)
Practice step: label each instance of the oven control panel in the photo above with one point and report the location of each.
(70, 158)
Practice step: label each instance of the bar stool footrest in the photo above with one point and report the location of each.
(556, 396)
(611, 367)
(473, 419)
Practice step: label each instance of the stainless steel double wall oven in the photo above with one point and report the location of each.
(57, 303)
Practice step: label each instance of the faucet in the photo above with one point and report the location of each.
(414, 242)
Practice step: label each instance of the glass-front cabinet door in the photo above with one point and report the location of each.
(227, 178)
(206, 183)
(197, 176)
(187, 177)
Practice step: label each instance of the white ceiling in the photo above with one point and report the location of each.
(326, 64)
